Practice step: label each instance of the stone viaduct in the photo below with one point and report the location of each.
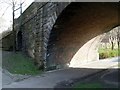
(56, 34)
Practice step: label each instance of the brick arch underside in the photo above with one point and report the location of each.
(77, 24)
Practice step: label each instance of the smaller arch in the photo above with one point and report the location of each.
(19, 41)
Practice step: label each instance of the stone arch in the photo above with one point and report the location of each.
(77, 25)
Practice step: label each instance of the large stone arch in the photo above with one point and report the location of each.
(76, 28)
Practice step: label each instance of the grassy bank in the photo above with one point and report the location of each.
(17, 63)
(107, 53)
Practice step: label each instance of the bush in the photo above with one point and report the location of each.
(107, 53)
(103, 55)
(112, 54)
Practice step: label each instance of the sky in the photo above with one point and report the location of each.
(6, 12)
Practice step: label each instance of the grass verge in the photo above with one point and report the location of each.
(18, 63)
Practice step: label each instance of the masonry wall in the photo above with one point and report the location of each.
(74, 39)
(36, 23)
(52, 32)
(6, 43)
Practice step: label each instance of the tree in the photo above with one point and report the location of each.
(118, 37)
(114, 37)
(14, 4)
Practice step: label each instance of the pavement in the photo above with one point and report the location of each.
(102, 63)
(51, 78)
(8, 78)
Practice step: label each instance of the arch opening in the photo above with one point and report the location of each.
(19, 41)
(110, 44)
(78, 28)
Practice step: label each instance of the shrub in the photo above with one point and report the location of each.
(112, 54)
(103, 55)
(107, 53)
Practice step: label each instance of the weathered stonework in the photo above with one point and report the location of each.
(37, 23)
(52, 32)
(6, 42)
